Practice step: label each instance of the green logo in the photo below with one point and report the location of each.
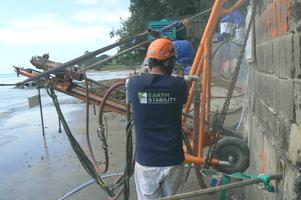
(142, 97)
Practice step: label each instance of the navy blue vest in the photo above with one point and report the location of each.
(157, 104)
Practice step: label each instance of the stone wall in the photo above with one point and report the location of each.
(273, 118)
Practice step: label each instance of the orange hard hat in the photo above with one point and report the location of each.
(161, 49)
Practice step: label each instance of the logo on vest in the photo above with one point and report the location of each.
(156, 98)
(142, 97)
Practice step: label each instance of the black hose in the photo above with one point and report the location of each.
(190, 151)
(105, 150)
(129, 167)
(84, 160)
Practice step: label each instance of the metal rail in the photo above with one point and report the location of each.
(220, 188)
(83, 57)
(79, 92)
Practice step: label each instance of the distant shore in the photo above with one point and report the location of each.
(113, 67)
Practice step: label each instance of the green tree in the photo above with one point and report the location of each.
(92, 60)
(143, 11)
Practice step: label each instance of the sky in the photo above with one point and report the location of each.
(63, 28)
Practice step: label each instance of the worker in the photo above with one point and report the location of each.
(158, 99)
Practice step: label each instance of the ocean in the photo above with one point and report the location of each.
(14, 106)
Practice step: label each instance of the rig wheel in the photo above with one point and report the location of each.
(235, 151)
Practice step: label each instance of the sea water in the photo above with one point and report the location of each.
(14, 107)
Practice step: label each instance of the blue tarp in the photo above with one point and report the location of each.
(236, 18)
(185, 54)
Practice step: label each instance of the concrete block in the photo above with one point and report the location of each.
(273, 124)
(270, 91)
(260, 85)
(252, 81)
(289, 70)
(283, 132)
(297, 55)
(263, 68)
(284, 98)
(282, 59)
(269, 58)
(297, 95)
(291, 188)
(264, 158)
(258, 108)
(258, 29)
(276, 56)
(264, 54)
(255, 82)
(283, 56)
(294, 151)
(259, 58)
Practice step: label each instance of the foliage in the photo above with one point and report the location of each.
(143, 11)
(93, 60)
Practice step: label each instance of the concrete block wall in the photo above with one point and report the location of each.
(274, 99)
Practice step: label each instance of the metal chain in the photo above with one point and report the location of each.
(218, 128)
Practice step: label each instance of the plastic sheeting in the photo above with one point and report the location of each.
(236, 18)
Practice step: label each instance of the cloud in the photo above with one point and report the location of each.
(93, 16)
(85, 25)
(106, 3)
(49, 29)
(87, 2)
(88, 16)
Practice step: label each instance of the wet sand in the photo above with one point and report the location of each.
(37, 167)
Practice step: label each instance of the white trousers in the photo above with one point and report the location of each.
(156, 182)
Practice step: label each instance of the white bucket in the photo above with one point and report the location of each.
(226, 27)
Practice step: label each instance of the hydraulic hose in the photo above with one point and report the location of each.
(106, 96)
(101, 129)
(84, 160)
(129, 168)
(86, 184)
(98, 169)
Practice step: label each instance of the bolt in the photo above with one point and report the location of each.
(231, 159)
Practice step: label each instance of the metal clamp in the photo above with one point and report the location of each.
(266, 183)
(102, 137)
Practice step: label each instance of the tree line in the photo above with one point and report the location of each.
(144, 11)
